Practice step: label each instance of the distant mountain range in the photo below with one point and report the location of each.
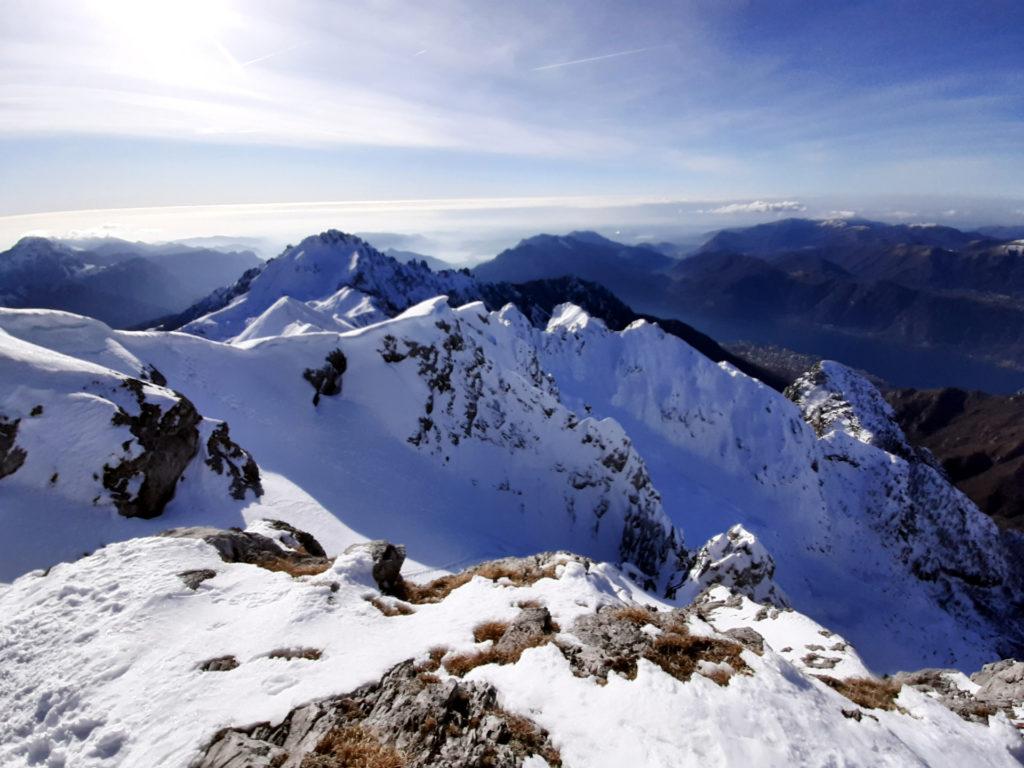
(119, 282)
(624, 269)
(819, 286)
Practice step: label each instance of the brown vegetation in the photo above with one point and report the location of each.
(868, 692)
(638, 615)
(461, 663)
(309, 566)
(521, 572)
(353, 746)
(489, 630)
(391, 607)
(533, 739)
(679, 654)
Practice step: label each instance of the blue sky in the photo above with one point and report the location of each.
(125, 103)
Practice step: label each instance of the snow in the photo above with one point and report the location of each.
(101, 659)
(551, 407)
(316, 271)
(470, 435)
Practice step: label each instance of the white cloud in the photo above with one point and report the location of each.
(760, 206)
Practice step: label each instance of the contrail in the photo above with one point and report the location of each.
(270, 55)
(600, 58)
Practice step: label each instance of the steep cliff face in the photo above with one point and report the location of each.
(83, 440)
(831, 489)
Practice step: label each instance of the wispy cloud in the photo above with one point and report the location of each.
(602, 57)
(760, 206)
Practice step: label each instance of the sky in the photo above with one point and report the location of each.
(108, 105)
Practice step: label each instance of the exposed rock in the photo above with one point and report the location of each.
(833, 397)
(11, 456)
(193, 579)
(225, 455)
(609, 641)
(143, 484)
(414, 719)
(470, 397)
(749, 638)
(236, 546)
(219, 664)
(1002, 684)
(532, 628)
(942, 684)
(152, 374)
(295, 539)
(531, 622)
(614, 639)
(326, 380)
(387, 563)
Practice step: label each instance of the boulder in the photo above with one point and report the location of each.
(387, 562)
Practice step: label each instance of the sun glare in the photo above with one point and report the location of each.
(178, 41)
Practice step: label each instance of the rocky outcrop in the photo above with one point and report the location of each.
(387, 563)
(224, 455)
(143, 482)
(513, 405)
(737, 560)
(1002, 685)
(236, 546)
(410, 717)
(833, 397)
(326, 380)
(11, 456)
(973, 569)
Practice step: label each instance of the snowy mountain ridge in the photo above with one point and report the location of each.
(325, 271)
(345, 395)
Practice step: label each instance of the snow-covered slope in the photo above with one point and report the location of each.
(316, 270)
(365, 406)
(157, 652)
(879, 546)
(446, 433)
(474, 434)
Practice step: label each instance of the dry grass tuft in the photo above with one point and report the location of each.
(531, 738)
(638, 615)
(433, 591)
(311, 654)
(462, 663)
(678, 654)
(519, 573)
(310, 566)
(353, 746)
(868, 692)
(433, 661)
(489, 630)
(390, 608)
